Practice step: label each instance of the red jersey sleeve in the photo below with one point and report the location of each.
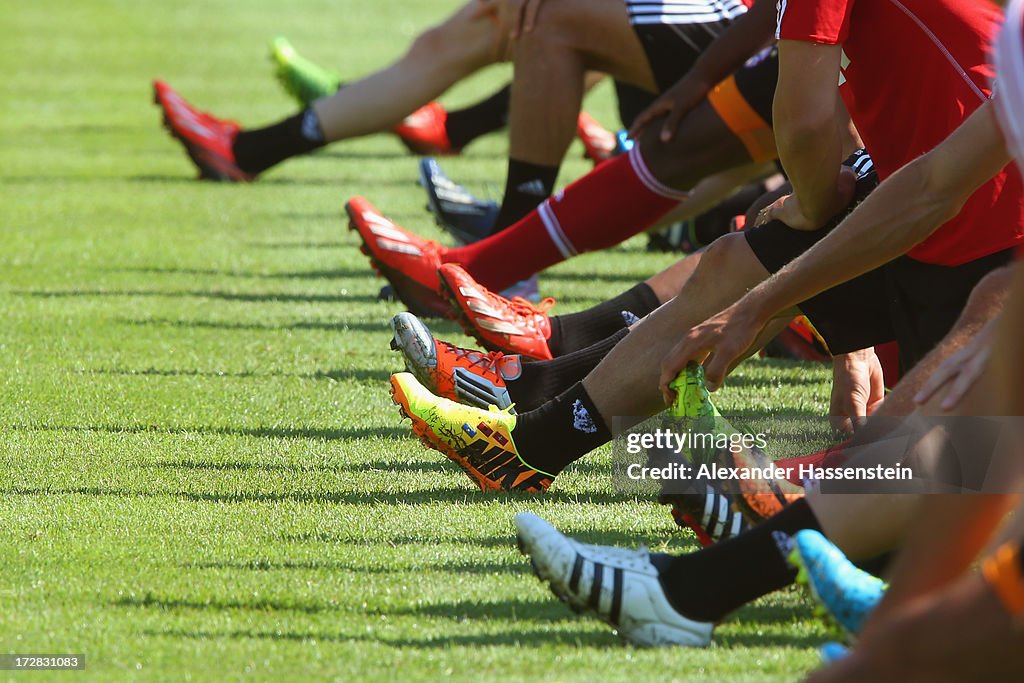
(814, 21)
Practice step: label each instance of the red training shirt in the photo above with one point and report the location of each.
(912, 72)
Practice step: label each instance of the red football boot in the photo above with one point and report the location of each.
(408, 261)
(598, 143)
(208, 140)
(424, 132)
(513, 326)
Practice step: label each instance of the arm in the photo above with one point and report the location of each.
(902, 212)
(734, 46)
(809, 128)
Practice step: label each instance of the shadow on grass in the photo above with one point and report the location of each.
(185, 179)
(629, 278)
(242, 466)
(791, 378)
(298, 245)
(328, 434)
(334, 273)
(459, 567)
(613, 538)
(314, 325)
(245, 297)
(424, 496)
(547, 611)
(336, 375)
(519, 637)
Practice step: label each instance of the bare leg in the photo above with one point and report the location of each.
(962, 633)
(669, 282)
(570, 37)
(712, 190)
(438, 58)
(865, 525)
(626, 381)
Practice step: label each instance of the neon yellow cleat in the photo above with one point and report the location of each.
(692, 398)
(478, 441)
(304, 80)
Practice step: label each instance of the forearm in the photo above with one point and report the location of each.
(1007, 359)
(734, 46)
(811, 151)
(904, 210)
(898, 215)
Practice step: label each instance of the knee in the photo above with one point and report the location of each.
(719, 256)
(552, 31)
(724, 252)
(431, 44)
(988, 297)
(682, 161)
(992, 289)
(447, 47)
(661, 160)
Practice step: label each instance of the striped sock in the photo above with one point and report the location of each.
(613, 202)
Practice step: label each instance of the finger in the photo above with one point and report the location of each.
(841, 423)
(715, 369)
(671, 366)
(846, 184)
(667, 394)
(516, 11)
(960, 386)
(532, 8)
(763, 216)
(858, 411)
(675, 115)
(937, 380)
(645, 117)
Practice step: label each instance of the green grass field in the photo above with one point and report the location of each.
(202, 476)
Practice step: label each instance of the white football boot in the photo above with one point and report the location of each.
(618, 586)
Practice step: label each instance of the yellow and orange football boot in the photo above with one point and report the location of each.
(478, 441)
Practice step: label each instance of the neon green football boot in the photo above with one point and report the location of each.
(304, 80)
(692, 398)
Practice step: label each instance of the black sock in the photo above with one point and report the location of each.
(717, 221)
(559, 432)
(877, 565)
(541, 380)
(579, 330)
(710, 583)
(258, 150)
(465, 125)
(526, 186)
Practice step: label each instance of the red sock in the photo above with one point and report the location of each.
(613, 202)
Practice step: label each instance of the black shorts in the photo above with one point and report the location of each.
(913, 303)
(672, 49)
(757, 80)
(632, 102)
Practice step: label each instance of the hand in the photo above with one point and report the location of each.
(674, 104)
(857, 389)
(724, 338)
(788, 210)
(960, 370)
(524, 16)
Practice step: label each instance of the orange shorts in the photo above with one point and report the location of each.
(1002, 571)
(753, 131)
